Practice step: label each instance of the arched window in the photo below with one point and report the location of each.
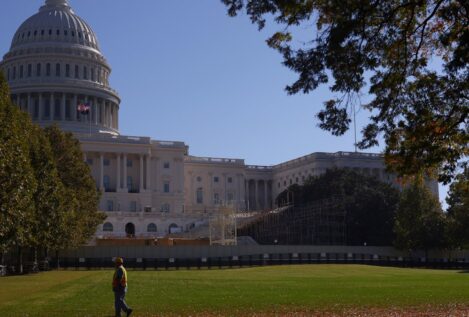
(108, 227)
(173, 228)
(130, 229)
(151, 227)
(200, 195)
(48, 69)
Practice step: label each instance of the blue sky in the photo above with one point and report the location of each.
(187, 72)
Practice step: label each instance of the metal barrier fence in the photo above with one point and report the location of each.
(260, 260)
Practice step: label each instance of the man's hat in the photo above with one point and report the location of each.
(119, 260)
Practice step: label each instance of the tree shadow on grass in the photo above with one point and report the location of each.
(464, 272)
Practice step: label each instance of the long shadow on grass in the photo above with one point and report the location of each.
(464, 272)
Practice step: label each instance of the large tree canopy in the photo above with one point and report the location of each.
(390, 48)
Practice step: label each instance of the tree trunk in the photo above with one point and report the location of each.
(35, 255)
(57, 259)
(20, 261)
(2, 258)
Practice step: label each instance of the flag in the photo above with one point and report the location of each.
(83, 108)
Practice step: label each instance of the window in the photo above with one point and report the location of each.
(47, 69)
(92, 74)
(8, 76)
(65, 32)
(47, 108)
(38, 70)
(57, 70)
(108, 227)
(200, 195)
(166, 165)
(85, 73)
(216, 179)
(58, 32)
(14, 73)
(129, 182)
(230, 180)
(216, 198)
(89, 161)
(151, 227)
(199, 179)
(129, 163)
(42, 32)
(77, 72)
(291, 182)
(165, 208)
(106, 162)
(68, 109)
(284, 183)
(30, 70)
(57, 109)
(106, 182)
(21, 71)
(296, 180)
(166, 186)
(133, 206)
(230, 197)
(110, 205)
(67, 70)
(36, 109)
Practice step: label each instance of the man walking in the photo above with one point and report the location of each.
(119, 286)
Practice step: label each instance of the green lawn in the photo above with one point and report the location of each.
(240, 292)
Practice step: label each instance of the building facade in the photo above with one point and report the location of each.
(150, 187)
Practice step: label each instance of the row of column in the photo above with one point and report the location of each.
(103, 112)
(253, 202)
(121, 182)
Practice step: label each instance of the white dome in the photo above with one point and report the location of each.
(55, 22)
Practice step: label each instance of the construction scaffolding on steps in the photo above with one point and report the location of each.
(322, 222)
(222, 226)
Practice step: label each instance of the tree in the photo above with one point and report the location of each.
(369, 203)
(388, 48)
(420, 221)
(50, 214)
(458, 210)
(81, 195)
(16, 176)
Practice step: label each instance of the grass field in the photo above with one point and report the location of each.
(348, 290)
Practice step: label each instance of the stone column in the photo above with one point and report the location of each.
(101, 171)
(126, 189)
(62, 110)
(265, 194)
(118, 175)
(74, 108)
(117, 117)
(246, 193)
(18, 100)
(95, 107)
(141, 172)
(41, 108)
(256, 194)
(30, 105)
(148, 176)
(51, 106)
(210, 191)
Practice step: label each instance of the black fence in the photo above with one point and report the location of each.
(258, 260)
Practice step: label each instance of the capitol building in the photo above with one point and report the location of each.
(150, 188)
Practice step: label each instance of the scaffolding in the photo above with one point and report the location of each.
(222, 226)
(322, 222)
